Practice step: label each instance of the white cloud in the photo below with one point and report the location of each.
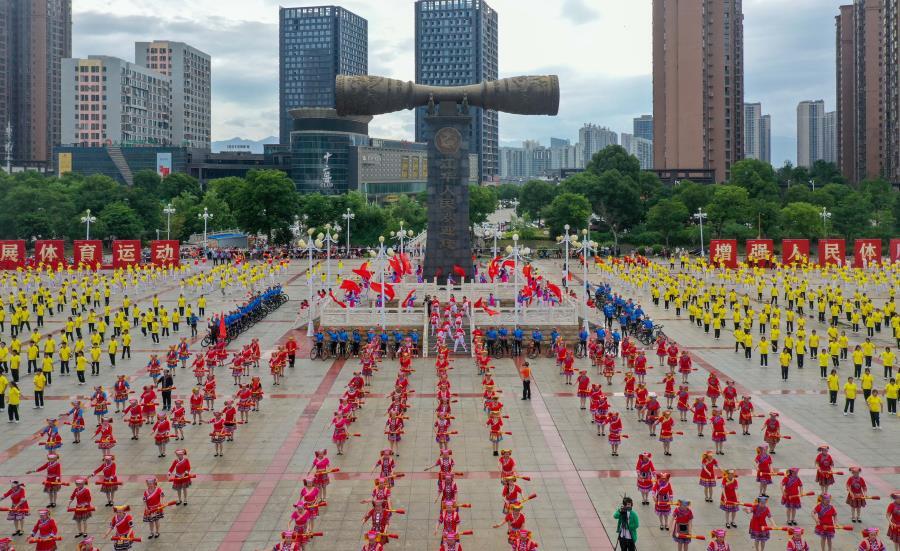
(603, 57)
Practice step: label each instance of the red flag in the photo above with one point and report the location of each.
(406, 301)
(479, 303)
(526, 271)
(350, 285)
(458, 270)
(509, 263)
(407, 265)
(363, 272)
(388, 289)
(339, 303)
(223, 331)
(555, 290)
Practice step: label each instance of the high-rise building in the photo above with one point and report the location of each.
(190, 74)
(757, 133)
(35, 35)
(829, 132)
(565, 157)
(110, 100)
(595, 138)
(765, 138)
(315, 45)
(891, 91)
(810, 132)
(866, 57)
(559, 142)
(457, 44)
(643, 127)
(698, 85)
(641, 148)
(512, 163)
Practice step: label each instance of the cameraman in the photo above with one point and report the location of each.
(627, 525)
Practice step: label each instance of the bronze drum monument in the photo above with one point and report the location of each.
(447, 124)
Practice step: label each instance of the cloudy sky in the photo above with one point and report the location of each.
(601, 49)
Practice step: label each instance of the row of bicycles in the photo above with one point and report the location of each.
(247, 316)
(327, 350)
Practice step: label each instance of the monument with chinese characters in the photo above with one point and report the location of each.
(448, 250)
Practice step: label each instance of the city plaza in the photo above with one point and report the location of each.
(244, 499)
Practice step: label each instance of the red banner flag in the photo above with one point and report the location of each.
(794, 251)
(555, 290)
(832, 252)
(388, 289)
(459, 270)
(126, 253)
(51, 253)
(350, 285)
(723, 252)
(866, 252)
(165, 253)
(12, 254)
(334, 298)
(363, 271)
(88, 254)
(895, 250)
(760, 252)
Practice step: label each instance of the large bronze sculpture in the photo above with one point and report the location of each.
(448, 121)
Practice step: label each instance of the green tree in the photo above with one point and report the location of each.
(567, 208)
(508, 192)
(730, 204)
(615, 157)
(851, 216)
(801, 220)
(535, 195)
(410, 211)
(693, 195)
(757, 177)
(668, 218)
(148, 181)
(482, 203)
(616, 200)
(267, 202)
(177, 183)
(121, 221)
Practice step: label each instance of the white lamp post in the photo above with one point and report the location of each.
(825, 217)
(87, 219)
(169, 211)
(401, 235)
(496, 236)
(700, 216)
(565, 240)
(381, 257)
(329, 239)
(348, 216)
(587, 248)
(515, 254)
(206, 216)
(310, 247)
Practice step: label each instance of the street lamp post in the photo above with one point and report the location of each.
(381, 257)
(700, 216)
(401, 235)
(825, 217)
(310, 247)
(587, 248)
(169, 211)
(565, 240)
(515, 253)
(348, 216)
(206, 216)
(87, 219)
(496, 236)
(329, 239)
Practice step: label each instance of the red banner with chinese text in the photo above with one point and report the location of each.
(794, 251)
(866, 252)
(723, 252)
(50, 253)
(12, 254)
(125, 253)
(760, 252)
(164, 253)
(895, 250)
(832, 252)
(88, 253)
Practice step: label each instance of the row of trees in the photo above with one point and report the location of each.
(757, 200)
(265, 202)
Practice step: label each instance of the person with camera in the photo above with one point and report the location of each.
(627, 527)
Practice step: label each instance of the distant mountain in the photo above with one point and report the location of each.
(241, 144)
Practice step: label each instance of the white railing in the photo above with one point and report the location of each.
(335, 316)
(544, 316)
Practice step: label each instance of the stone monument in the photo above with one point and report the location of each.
(448, 248)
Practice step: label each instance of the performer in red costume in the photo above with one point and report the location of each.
(180, 476)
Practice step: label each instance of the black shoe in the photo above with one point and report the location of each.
(496, 454)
